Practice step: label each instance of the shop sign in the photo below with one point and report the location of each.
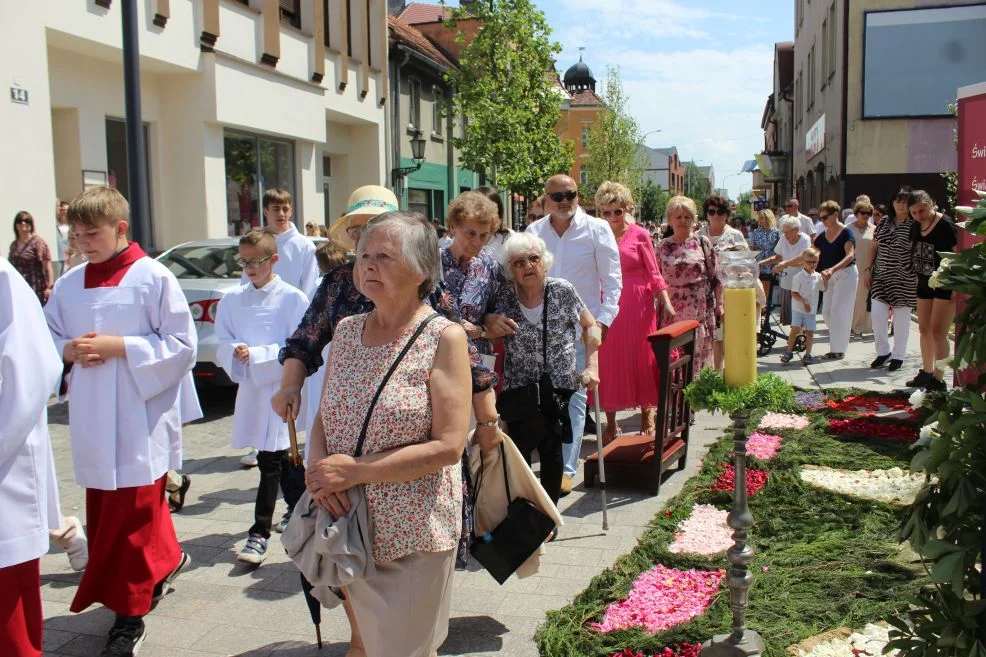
(815, 138)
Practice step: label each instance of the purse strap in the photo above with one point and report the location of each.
(482, 469)
(386, 378)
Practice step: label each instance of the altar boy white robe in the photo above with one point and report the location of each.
(296, 264)
(126, 428)
(262, 319)
(30, 369)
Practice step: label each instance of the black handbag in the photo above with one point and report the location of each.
(502, 551)
(541, 398)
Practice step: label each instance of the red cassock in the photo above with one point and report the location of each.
(132, 541)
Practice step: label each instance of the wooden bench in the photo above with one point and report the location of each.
(640, 461)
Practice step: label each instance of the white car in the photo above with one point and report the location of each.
(207, 271)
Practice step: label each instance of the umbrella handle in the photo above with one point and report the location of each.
(293, 456)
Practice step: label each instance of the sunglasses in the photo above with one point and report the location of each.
(520, 263)
(823, 217)
(613, 213)
(558, 197)
(25, 222)
(713, 212)
(788, 206)
(864, 213)
(255, 262)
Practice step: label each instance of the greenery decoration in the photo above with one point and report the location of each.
(946, 525)
(768, 392)
(824, 560)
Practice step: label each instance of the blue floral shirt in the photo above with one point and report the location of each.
(473, 288)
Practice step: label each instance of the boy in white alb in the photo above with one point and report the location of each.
(252, 324)
(805, 287)
(30, 369)
(295, 265)
(123, 328)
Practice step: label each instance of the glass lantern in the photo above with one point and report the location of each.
(738, 269)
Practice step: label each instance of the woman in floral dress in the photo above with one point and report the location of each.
(688, 263)
(30, 256)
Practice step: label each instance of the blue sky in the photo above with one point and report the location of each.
(699, 71)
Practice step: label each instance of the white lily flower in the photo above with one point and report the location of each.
(917, 399)
(933, 281)
(929, 430)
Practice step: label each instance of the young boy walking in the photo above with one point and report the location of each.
(295, 264)
(127, 338)
(805, 287)
(252, 323)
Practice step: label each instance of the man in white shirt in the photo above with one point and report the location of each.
(297, 265)
(586, 255)
(793, 209)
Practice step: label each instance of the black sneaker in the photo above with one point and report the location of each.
(879, 361)
(280, 526)
(255, 550)
(895, 364)
(920, 380)
(163, 587)
(935, 385)
(125, 638)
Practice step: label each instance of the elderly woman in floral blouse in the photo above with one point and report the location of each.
(690, 268)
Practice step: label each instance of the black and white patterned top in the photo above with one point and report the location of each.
(894, 280)
(522, 363)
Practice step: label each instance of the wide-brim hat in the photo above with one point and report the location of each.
(366, 202)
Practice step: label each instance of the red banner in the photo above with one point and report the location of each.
(972, 169)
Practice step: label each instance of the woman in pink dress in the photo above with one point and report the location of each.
(627, 368)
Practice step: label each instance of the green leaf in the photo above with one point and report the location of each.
(934, 550)
(949, 569)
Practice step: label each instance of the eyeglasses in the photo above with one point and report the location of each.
(520, 263)
(864, 213)
(618, 212)
(716, 212)
(558, 197)
(255, 262)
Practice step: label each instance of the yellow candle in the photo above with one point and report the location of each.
(739, 336)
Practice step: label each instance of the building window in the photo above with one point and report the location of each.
(326, 35)
(291, 12)
(585, 136)
(254, 164)
(429, 202)
(584, 178)
(832, 41)
(414, 103)
(349, 28)
(811, 76)
(825, 50)
(437, 112)
(798, 100)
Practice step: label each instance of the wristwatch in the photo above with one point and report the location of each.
(482, 334)
(492, 423)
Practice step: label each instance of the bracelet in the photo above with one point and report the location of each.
(492, 423)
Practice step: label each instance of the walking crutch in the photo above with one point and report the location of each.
(599, 450)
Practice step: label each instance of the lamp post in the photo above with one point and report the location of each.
(647, 134)
(418, 144)
(140, 218)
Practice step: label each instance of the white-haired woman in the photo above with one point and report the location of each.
(415, 435)
(534, 303)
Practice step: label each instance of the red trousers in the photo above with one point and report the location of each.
(21, 619)
(132, 547)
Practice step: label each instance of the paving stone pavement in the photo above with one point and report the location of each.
(222, 608)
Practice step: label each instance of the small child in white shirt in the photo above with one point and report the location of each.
(805, 287)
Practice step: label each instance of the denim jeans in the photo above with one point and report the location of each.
(576, 412)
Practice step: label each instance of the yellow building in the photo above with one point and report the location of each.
(579, 112)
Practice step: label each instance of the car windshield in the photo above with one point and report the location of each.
(208, 261)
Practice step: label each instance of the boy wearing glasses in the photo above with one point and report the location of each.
(296, 253)
(252, 323)
(804, 305)
(128, 342)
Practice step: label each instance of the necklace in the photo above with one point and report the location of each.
(931, 225)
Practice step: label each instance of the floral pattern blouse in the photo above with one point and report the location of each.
(29, 260)
(524, 353)
(422, 515)
(336, 299)
(473, 288)
(763, 240)
(691, 271)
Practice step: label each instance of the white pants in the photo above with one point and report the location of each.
(902, 326)
(840, 296)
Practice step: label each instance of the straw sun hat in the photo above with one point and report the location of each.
(364, 203)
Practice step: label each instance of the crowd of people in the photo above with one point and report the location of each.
(395, 349)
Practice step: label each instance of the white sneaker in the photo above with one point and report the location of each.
(249, 459)
(72, 539)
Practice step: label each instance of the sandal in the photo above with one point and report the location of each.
(177, 504)
(610, 437)
(833, 356)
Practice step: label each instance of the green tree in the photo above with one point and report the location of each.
(614, 141)
(651, 201)
(697, 186)
(744, 205)
(502, 89)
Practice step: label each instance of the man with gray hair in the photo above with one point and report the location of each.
(792, 208)
(586, 256)
(792, 243)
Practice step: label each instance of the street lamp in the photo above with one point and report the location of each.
(647, 134)
(418, 144)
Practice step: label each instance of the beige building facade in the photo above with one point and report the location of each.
(237, 96)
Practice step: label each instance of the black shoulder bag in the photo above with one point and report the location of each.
(502, 551)
(541, 398)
